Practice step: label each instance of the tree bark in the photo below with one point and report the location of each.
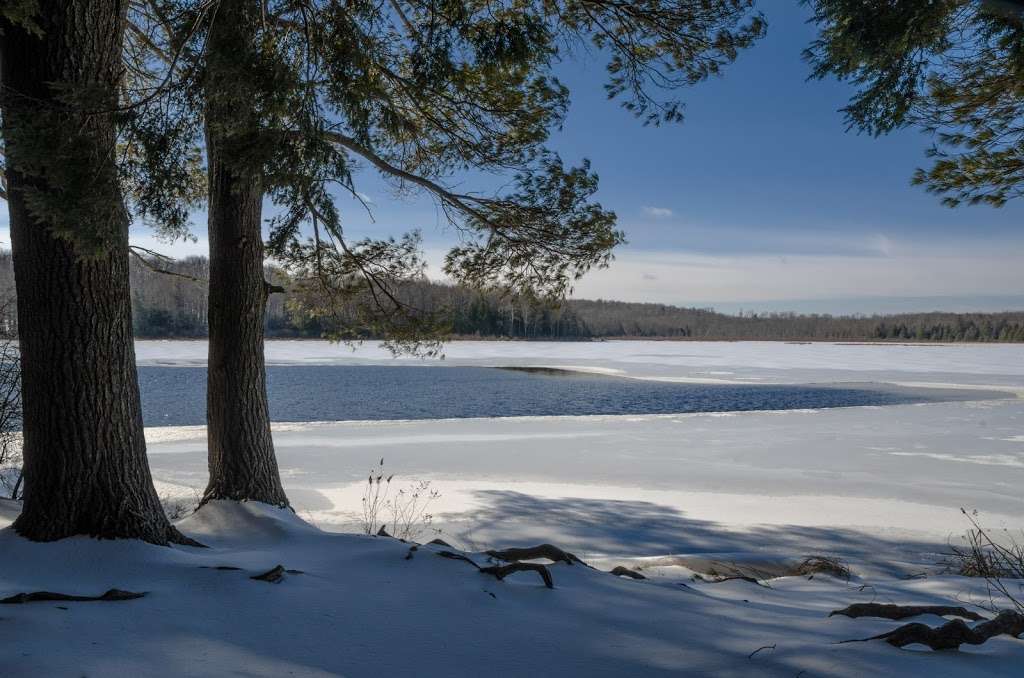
(85, 462)
(241, 451)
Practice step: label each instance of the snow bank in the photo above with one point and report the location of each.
(670, 494)
(361, 607)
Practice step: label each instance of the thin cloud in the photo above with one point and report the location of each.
(954, 269)
(658, 212)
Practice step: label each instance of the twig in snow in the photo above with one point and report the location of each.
(763, 647)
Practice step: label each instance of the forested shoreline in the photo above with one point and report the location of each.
(175, 306)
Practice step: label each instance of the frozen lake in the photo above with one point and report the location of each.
(866, 481)
(176, 396)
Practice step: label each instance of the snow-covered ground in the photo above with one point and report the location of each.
(879, 487)
(701, 361)
(901, 471)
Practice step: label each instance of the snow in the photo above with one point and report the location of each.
(360, 608)
(706, 362)
(880, 487)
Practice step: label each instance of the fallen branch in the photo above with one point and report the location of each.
(548, 551)
(898, 612)
(953, 634)
(38, 596)
(622, 571)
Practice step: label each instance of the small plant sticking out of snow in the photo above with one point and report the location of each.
(996, 559)
(812, 565)
(177, 507)
(406, 508)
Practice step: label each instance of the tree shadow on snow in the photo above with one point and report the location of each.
(639, 528)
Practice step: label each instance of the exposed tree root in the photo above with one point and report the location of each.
(549, 551)
(458, 556)
(37, 596)
(274, 575)
(622, 571)
(953, 634)
(174, 536)
(502, 571)
(898, 612)
(733, 577)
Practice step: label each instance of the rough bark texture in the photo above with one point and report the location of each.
(241, 451)
(85, 456)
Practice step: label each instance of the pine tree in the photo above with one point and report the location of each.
(297, 94)
(85, 464)
(952, 67)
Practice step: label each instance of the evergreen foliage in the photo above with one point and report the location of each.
(305, 93)
(175, 306)
(954, 68)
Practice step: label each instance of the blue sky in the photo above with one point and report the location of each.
(759, 200)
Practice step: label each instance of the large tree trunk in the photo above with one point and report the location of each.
(241, 451)
(85, 456)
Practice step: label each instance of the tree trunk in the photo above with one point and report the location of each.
(85, 462)
(241, 451)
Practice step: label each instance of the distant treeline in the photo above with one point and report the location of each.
(169, 306)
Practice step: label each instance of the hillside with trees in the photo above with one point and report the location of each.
(169, 300)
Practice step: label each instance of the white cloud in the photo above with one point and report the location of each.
(882, 245)
(956, 269)
(658, 212)
(178, 249)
